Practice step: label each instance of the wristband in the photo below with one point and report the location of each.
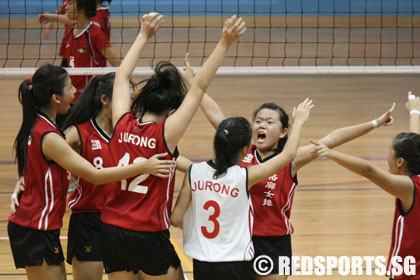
(375, 123)
(415, 112)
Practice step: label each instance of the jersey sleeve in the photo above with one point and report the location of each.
(100, 41)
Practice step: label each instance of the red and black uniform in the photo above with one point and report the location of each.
(102, 18)
(87, 200)
(83, 50)
(137, 210)
(88, 197)
(34, 228)
(143, 203)
(272, 200)
(406, 234)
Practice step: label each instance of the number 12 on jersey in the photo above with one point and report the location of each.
(135, 184)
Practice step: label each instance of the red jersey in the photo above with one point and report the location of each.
(83, 50)
(63, 8)
(43, 203)
(406, 233)
(142, 203)
(88, 197)
(272, 199)
(102, 18)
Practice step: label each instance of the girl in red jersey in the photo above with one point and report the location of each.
(136, 212)
(89, 132)
(101, 19)
(273, 198)
(402, 181)
(43, 157)
(219, 220)
(84, 43)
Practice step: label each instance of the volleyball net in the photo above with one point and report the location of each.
(283, 36)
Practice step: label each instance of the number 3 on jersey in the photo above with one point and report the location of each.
(212, 218)
(135, 184)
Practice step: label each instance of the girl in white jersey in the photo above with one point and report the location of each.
(270, 128)
(219, 220)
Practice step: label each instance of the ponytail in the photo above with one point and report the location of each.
(89, 103)
(47, 80)
(164, 91)
(231, 137)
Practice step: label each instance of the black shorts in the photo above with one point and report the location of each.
(30, 246)
(273, 247)
(242, 270)
(127, 250)
(85, 237)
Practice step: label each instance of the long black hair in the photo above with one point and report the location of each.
(232, 135)
(162, 92)
(407, 146)
(89, 103)
(46, 81)
(284, 119)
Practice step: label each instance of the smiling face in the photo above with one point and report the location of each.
(68, 94)
(267, 129)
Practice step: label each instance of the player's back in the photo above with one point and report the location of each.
(142, 203)
(218, 223)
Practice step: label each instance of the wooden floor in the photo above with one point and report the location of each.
(335, 213)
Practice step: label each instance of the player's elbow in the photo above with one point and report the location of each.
(176, 221)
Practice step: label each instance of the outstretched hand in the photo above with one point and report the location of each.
(151, 23)
(386, 119)
(233, 28)
(321, 149)
(413, 102)
(187, 72)
(160, 167)
(303, 110)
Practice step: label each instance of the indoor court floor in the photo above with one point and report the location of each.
(335, 212)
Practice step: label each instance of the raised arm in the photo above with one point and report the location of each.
(182, 203)
(177, 123)
(400, 186)
(257, 173)
(307, 153)
(56, 148)
(209, 107)
(413, 109)
(150, 24)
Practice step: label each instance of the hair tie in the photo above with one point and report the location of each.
(30, 80)
(226, 132)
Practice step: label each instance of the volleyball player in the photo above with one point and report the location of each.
(273, 198)
(43, 157)
(136, 212)
(101, 19)
(402, 181)
(219, 220)
(84, 43)
(89, 128)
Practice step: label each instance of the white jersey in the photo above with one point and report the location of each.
(218, 223)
